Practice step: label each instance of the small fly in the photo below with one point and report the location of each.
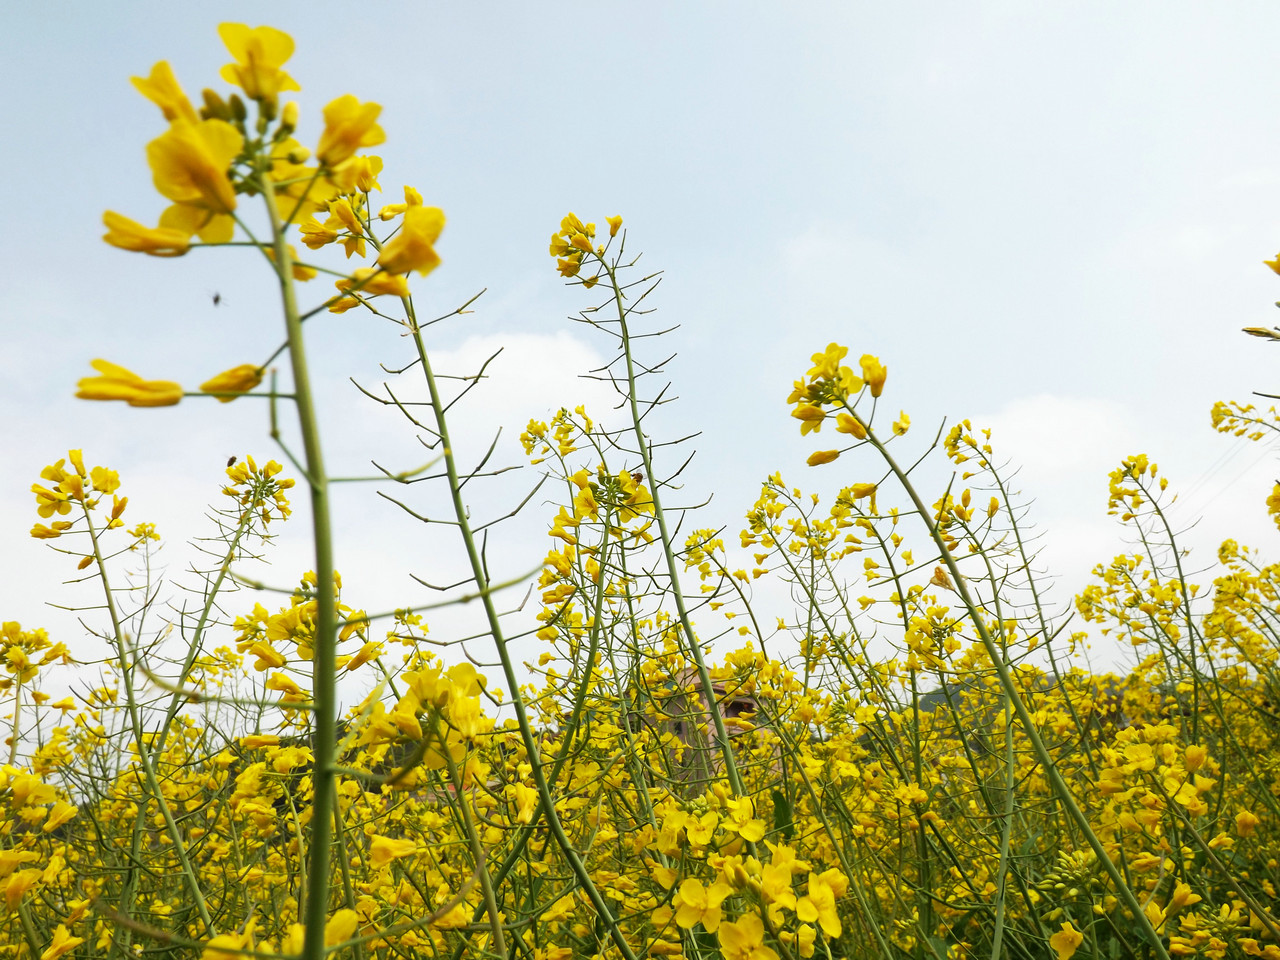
(231, 461)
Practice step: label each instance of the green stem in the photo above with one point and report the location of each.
(323, 676)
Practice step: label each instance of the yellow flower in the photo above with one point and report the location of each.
(874, 373)
(348, 126)
(358, 174)
(413, 247)
(60, 814)
(526, 799)
(366, 653)
(1066, 941)
(231, 945)
(117, 383)
(237, 380)
(820, 902)
(340, 927)
(373, 282)
(743, 939)
(259, 54)
(846, 423)
(18, 885)
(1245, 821)
(382, 850)
(162, 89)
(268, 656)
(157, 241)
(826, 365)
(902, 424)
(41, 532)
(189, 164)
(615, 223)
(283, 683)
(256, 740)
(696, 904)
(412, 198)
(819, 457)
(62, 943)
(810, 418)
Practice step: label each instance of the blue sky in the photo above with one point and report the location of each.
(1048, 218)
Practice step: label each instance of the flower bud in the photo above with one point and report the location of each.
(238, 112)
(299, 154)
(215, 106)
(289, 115)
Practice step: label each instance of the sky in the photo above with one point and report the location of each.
(1050, 219)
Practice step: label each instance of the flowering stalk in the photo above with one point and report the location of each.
(1001, 665)
(144, 755)
(481, 579)
(324, 662)
(642, 445)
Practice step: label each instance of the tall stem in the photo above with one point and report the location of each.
(668, 549)
(324, 667)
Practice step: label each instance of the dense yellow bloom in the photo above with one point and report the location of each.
(117, 383)
(239, 379)
(413, 248)
(159, 241)
(348, 126)
(162, 89)
(260, 53)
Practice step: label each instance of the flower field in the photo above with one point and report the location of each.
(907, 760)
